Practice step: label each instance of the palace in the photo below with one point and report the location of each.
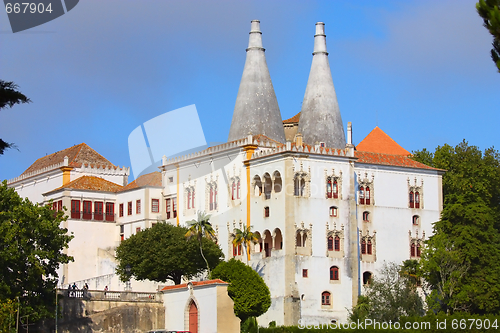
(327, 213)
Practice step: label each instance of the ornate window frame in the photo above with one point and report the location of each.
(370, 240)
(367, 185)
(415, 194)
(330, 180)
(305, 248)
(335, 233)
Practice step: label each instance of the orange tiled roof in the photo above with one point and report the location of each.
(92, 183)
(150, 179)
(388, 159)
(294, 119)
(377, 141)
(77, 155)
(195, 283)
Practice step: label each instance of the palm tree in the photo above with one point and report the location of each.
(199, 228)
(245, 237)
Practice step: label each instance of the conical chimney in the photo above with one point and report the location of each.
(256, 110)
(320, 119)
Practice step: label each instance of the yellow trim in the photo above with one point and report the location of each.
(249, 150)
(177, 199)
(66, 174)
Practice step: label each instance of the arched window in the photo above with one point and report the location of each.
(267, 186)
(417, 200)
(278, 239)
(412, 250)
(296, 186)
(369, 247)
(412, 200)
(367, 277)
(211, 198)
(366, 216)
(363, 246)
(258, 185)
(335, 190)
(298, 239)
(302, 187)
(330, 243)
(192, 198)
(325, 298)
(238, 189)
(337, 243)
(361, 195)
(367, 195)
(334, 273)
(277, 182)
(233, 190)
(189, 200)
(268, 243)
(333, 211)
(329, 191)
(415, 220)
(418, 250)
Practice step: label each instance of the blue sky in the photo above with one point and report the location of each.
(420, 70)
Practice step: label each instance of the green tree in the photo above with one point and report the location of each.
(162, 253)
(489, 10)
(8, 311)
(10, 96)
(201, 228)
(390, 295)
(31, 250)
(247, 289)
(245, 237)
(460, 261)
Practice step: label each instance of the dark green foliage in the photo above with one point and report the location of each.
(390, 295)
(453, 323)
(162, 253)
(247, 289)
(489, 10)
(9, 96)
(31, 250)
(460, 262)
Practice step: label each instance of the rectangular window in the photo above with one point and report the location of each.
(155, 205)
(174, 204)
(98, 211)
(304, 273)
(138, 206)
(337, 243)
(189, 200)
(192, 199)
(129, 208)
(238, 190)
(87, 210)
(330, 243)
(121, 210)
(122, 237)
(168, 207)
(59, 205)
(266, 211)
(122, 229)
(137, 230)
(75, 209)
(333, 211)
(110, 211)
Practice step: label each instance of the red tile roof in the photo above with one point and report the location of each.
(388, 159)
(92, 183)
(377, 141)
(294, 119)
(150, 179)
(77, 155)
(195, 284)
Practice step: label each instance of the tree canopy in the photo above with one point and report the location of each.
(247, 289)
(10, 96)
(489, 10)
(31, 250)
(162, 253)
(390, 295)
(460, 262)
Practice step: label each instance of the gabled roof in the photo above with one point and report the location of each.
(150, 179)
(195, 284)
(294, 120)
(377, 141)
(77, 156)
(388, 159)
(91, 183)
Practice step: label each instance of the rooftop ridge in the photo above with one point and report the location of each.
(35, 173)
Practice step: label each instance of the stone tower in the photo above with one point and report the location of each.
(256, 108)
(320, 119)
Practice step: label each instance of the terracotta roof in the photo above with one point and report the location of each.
(92, 183)
(150, 179)
(195, 284)
(77, 155)
(379, 142)
(388, 159)
(294, 119)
